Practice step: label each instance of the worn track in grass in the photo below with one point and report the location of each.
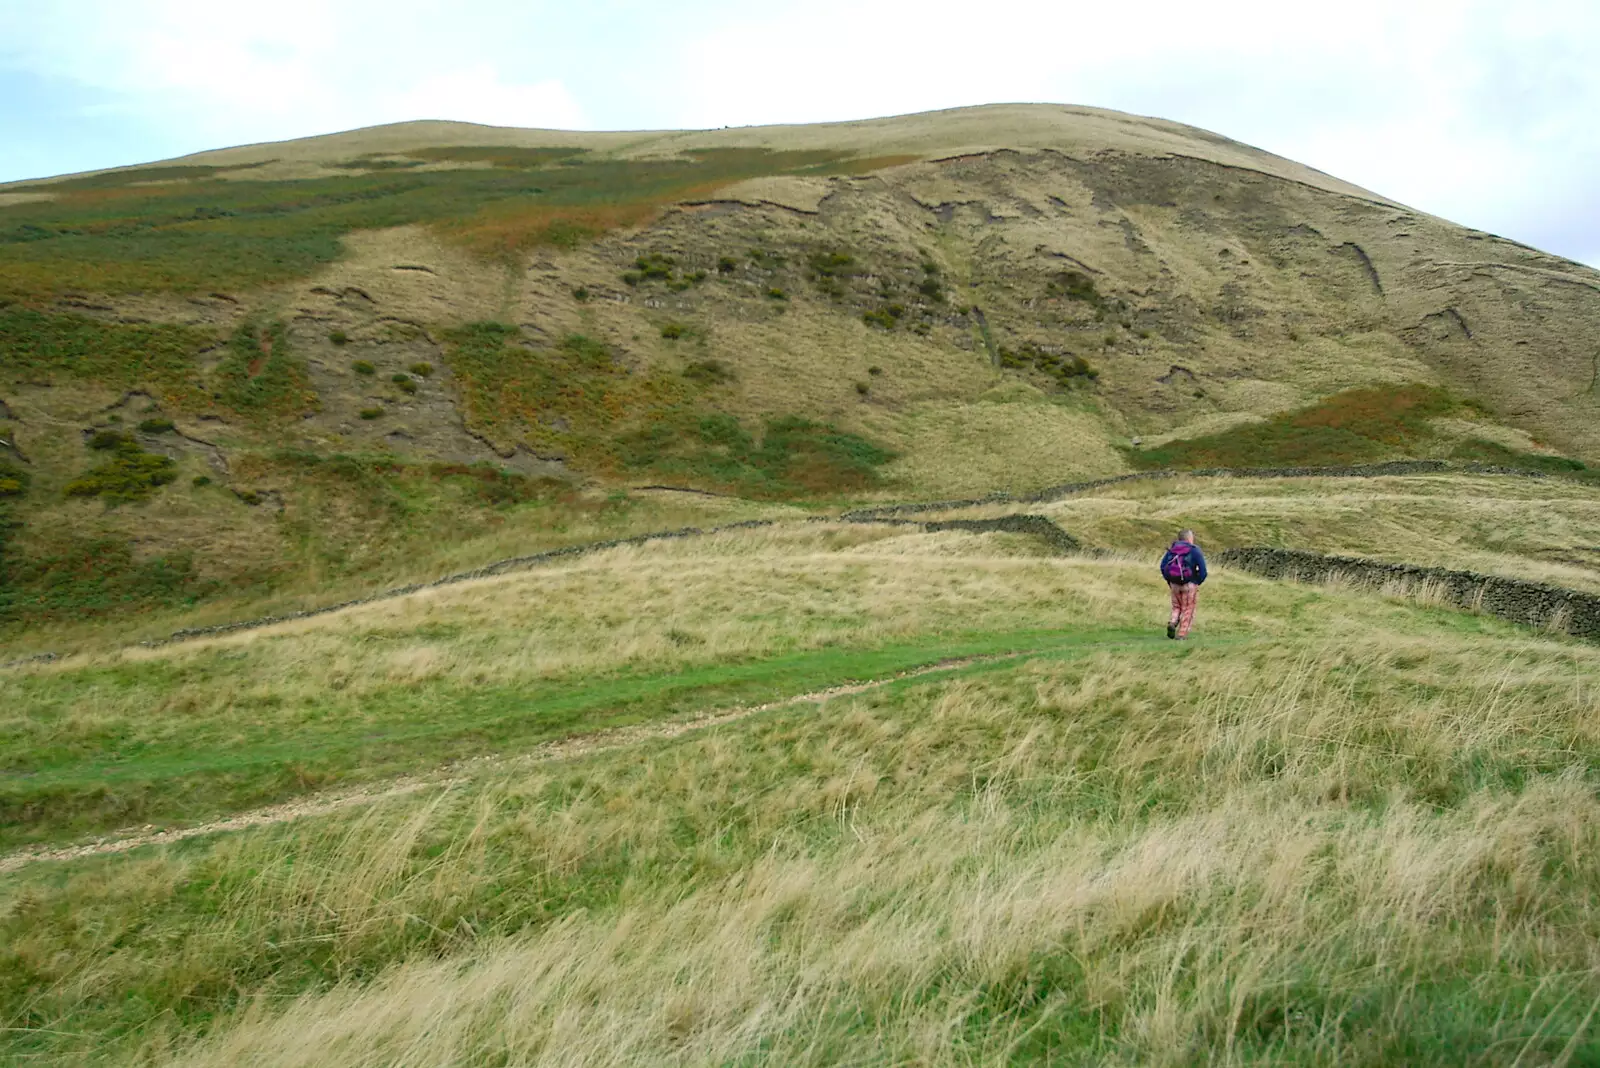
(564, 749)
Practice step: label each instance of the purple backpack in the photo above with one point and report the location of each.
(1176, 567)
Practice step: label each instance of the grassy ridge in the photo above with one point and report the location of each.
(1355, 838)
(193, 232)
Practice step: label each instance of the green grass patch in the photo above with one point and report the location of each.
(260, 378)
(160, 358)
(106, 233)
(1356, 426)
(95, 578)
(794, 457)
(54, 784)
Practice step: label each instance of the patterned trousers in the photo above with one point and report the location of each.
(1184, 595)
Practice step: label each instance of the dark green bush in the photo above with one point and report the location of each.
(1075, 285)
(405, 383)
(673, 331)
(107, 440)
(200, 480)
(156, 425)
(726, 264)
(339, 337)
(632, 278)
(581, 294)
(874, 371)
(131, 474)
(654, 265)
(708, 372)
(13, 480)
(863, 388)
(371, 413)
(1063, 367)
(885, 317)
(362, 367)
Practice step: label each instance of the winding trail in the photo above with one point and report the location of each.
(454, 775)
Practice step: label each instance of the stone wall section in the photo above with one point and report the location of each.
(1532, 604)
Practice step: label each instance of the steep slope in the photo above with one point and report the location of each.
(382, 340)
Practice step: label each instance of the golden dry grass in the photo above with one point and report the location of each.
(1545, 530)
(1363, 839)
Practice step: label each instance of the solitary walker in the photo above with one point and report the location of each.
(1184, 568)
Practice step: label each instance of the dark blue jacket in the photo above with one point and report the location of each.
(1197, 561)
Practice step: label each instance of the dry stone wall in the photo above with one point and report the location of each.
(1532, 604)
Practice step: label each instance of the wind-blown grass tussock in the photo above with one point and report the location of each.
(1340, 828)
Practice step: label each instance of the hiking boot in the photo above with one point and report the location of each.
(1172, 630)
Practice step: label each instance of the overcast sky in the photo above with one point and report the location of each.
(1485, 113)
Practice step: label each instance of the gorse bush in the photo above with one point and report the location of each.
(885, 317)
(1065, 368)
(708, 372)
(131, 474)
(13, 479)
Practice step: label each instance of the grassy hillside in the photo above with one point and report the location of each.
(335, 360)
(1335, 828)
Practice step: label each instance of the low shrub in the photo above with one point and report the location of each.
(1075, 285)
(130, 474)
(874, 371)
(200, 480)
(362, 367)
(580, 294)
(13, 480)
(673, 331)
(774, 293)
(726, 264)
(405, 383)
(886, 316)
(371, 413)
(339, 337)
(156, 425)
(422, 370)
(1065, 368)
(863, 388)
(708, 372)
